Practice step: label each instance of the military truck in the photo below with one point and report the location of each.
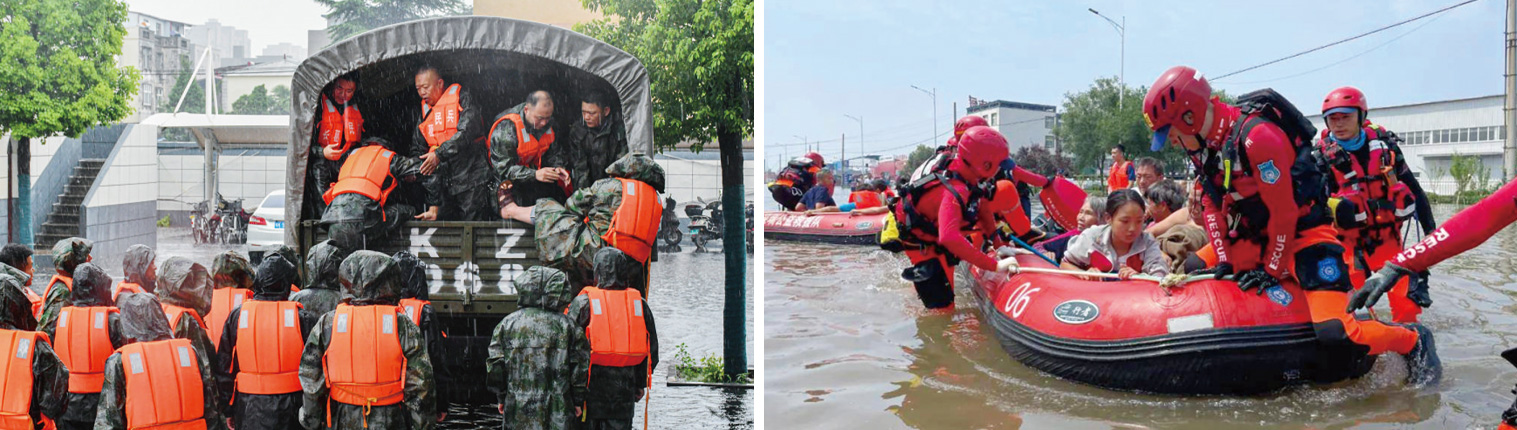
(500, 61)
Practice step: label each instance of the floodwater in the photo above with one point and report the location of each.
(686, 298)
(863, 353)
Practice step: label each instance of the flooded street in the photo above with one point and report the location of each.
(864, 354)
(686, 298)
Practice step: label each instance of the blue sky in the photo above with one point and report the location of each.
(824, 59)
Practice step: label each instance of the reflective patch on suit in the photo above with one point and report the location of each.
(242, 319)
(1327, 270)
(387, 324)
(184, 356)
(136, 360)
(1279, 295)
(342, 323)
(63, 318)
(595, 306)
(1268, 172)
(23, 348)
(289, 317)
(99, 320)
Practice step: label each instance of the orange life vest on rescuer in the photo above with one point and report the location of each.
(125, 286)
(364, 173)
(18, 347)
(341, 126)
(618, 334)
(635, 223)
(1118, 178)
(174, 312)
(364, 364)
(84, 342)
(1383, 201)
(164, 386)
(68, 282)
(223, 300)
(529, 150)
(412, 308)
(268, 347)
(440, 121)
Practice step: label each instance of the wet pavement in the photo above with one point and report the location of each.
(849, 346)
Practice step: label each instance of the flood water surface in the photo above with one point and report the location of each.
(848, 345)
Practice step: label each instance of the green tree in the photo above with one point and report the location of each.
(1038, 160)
(916, 158)
(59, 75)
(1092, 123)
(194, 101)
(699, 57)
(261, 102)
(352, 17)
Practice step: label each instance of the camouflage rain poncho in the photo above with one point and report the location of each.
(568, 236)
(142, 320)
(539, 358)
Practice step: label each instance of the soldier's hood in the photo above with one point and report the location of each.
(614, 270)
(92, 286)
(543, 287)
(185, 283)
(274, 278)
(134, 265)
(69, 253)
(12, 274)
(371, 278)
(231, 270)
(322, 263)
(142, 318)
(15, 309)
(638, 167)
(292, 257)
(413, 275)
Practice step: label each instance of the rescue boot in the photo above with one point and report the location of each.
(1423, 366)
(1509, 417)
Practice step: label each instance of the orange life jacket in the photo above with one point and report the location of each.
(1118, 179)
(67, 281)
(163, 385)
(618, 334)
(223, 300)
(440, 121)
(412, 308)
(528, 150)
(1382, 199)
(84, 342)
(16, 351)
(865, 199)
(341, 127)
(125, 286)
(31, 296)
(364, 173)
(173, 313)
(634, 225)
(268, 347)
(364, 364)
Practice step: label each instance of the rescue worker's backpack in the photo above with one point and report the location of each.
(1307, 172)
(617, 332)
(912, 228)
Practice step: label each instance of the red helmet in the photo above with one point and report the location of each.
(981, 150)
(1179, 90)
(966, 122)
(1345, 99)
(816, 158)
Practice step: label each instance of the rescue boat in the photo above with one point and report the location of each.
(1201, 338)
(829, 227)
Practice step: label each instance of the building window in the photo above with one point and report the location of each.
(1048, 142)
(995, 119)
(1485, 133)
(1048, 122)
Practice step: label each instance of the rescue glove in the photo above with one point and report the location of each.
(1378, 284)
(1256, 279)
(1216, 272)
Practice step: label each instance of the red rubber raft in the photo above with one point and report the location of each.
(830, 227)
(1201, 338)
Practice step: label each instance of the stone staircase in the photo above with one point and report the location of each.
(63, 221)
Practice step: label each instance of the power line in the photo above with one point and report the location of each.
(1345, 60)
(1346, 40)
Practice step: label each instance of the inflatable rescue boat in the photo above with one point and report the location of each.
(830, 227)
(1204, 337)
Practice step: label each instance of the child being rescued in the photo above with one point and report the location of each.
(1120, 246)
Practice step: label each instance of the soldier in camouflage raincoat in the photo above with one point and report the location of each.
(142, 320)
(568, 236)
(413, 285)
(139, 267)
(231, 270)
(293, 257)
(614, 391)
(92, 287)
(356, 221)
(322, 293)
(49, 377)
(539, 358)
(187, 284)
(373, 279)
(68, 254)
(260, 411)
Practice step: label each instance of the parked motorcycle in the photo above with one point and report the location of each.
(228, 224)
(705, 222)
(669, 234)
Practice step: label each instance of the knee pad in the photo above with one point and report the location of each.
(1320, 267)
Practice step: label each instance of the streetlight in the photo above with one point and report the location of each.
(934, 94)
(861, 141)
(1122, 67)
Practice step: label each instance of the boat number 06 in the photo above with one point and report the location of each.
(1017, 301)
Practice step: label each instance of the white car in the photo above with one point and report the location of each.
(266, 227)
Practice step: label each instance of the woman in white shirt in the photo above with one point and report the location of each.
(1120, 246)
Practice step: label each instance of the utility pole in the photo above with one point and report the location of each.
(1509, 153)
(934, 94)
(860, 119)
(843, 141)
(1122, 67)
(804, 143)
